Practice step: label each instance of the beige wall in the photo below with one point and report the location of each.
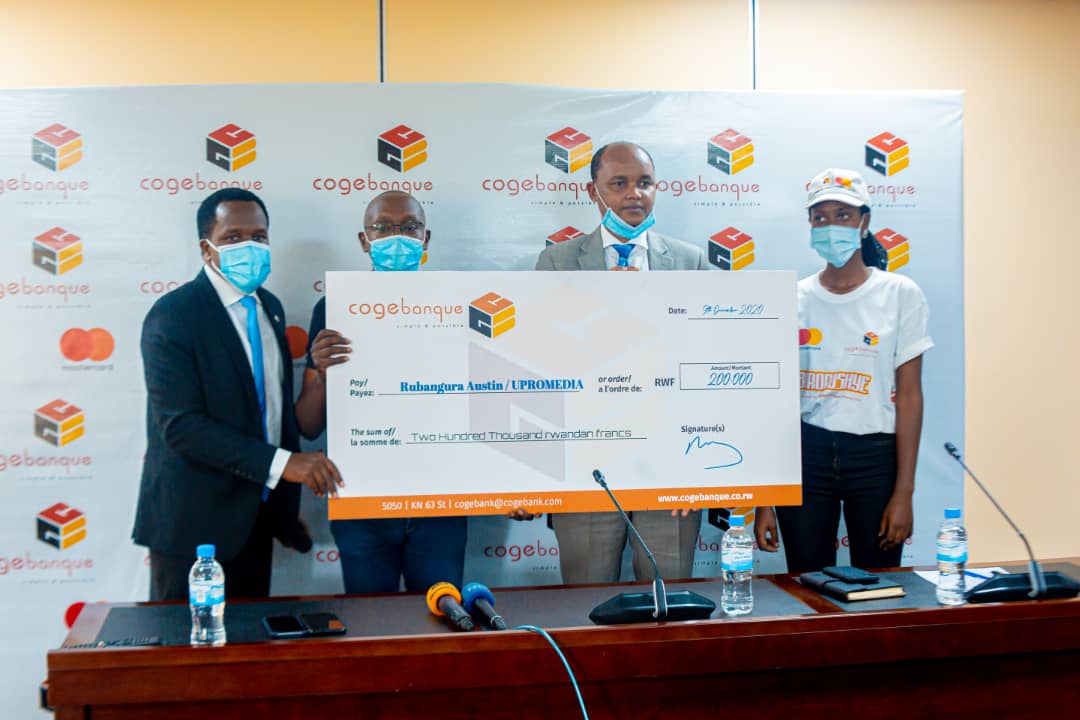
(158, 42)
(1016, 60)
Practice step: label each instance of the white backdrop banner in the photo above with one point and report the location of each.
(98, 192)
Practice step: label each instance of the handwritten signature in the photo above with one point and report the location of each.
(698, 444)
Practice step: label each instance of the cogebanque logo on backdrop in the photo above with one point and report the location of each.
(61, 526)
(56, 251)
(59, 422)
(57, 148)
(567, 233)
(888, 154)
(401, 148)
(492, 315)
(731, 249)
(567, 151)
(897, 248)
(730, 152)
(230, 148)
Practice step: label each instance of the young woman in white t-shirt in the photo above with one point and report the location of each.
(862, 335)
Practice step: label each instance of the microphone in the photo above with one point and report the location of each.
(480, 603)
(659, 593)
(1002, 588)
(635, 607)
(444, 600)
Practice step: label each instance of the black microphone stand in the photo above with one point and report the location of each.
(1003, 588)
(658, 605)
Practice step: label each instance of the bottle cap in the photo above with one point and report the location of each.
(952, 513)
(736, 521)
(205, 551)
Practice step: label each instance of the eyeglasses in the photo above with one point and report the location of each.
(408, 228)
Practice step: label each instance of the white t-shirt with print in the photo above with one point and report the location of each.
(850, 346)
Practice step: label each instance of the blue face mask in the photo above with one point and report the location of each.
(835, 243)
(246, 265)
(617, 226)
(398, 252)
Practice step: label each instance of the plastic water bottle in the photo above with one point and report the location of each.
(951, 559)
(206, 596)
(737, 568)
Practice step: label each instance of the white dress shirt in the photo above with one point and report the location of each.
(273, 372)
(639, 256)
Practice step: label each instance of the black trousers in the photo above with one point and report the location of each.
(246, 576)
(855, 473)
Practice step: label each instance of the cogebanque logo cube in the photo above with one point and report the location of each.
(402, 148)
(57, 251)
(897, 248)
(230, 147)
(567, 233)
(491, 314)
(568, 150)
(59, 423)
(731, 151)
(870, 339)
(887, 154)
(61, 526)
(731, 249)
(57, 147)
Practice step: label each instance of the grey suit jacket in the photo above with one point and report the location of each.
(587, 253)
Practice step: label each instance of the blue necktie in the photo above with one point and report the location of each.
(624, 250)
(257, 370)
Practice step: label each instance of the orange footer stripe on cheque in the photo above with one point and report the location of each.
(389, 506)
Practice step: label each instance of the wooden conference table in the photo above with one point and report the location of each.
(799, 655)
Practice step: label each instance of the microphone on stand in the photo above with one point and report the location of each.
(658, 605)
(444, 600)
(480, 603)
(1003, 588)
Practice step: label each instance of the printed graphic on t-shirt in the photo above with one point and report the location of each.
(868, 346)
(809, 338)
(835, 381)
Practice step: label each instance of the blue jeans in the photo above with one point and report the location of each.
(376, 553)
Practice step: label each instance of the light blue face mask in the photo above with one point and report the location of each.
(246, 265)
(835, 243)
(398, 252)
(619, 227)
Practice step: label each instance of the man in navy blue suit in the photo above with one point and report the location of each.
(222, 464)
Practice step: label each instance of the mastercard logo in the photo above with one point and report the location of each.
(809, 336)
(297, 338)
(95, 344)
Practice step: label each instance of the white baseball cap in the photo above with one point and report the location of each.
(845, 186)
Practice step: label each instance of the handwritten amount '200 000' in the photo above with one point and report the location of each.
(727, 379)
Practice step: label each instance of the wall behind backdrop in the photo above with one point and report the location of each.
(1010, 58)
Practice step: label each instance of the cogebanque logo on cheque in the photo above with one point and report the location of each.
(406, 309)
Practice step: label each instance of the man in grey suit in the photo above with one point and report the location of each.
(624, 189)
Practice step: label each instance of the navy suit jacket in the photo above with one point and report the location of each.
(207, 459)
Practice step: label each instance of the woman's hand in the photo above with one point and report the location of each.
(765, 532)
(896, 522)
